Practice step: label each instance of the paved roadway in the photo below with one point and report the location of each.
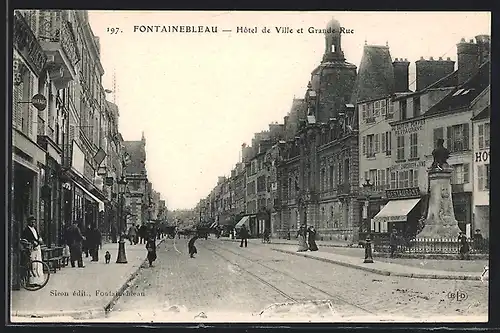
(228, 279)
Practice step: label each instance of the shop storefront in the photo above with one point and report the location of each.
(402, 211)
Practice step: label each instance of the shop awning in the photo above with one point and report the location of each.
(244, 221)
(396, 210)
(93, 197)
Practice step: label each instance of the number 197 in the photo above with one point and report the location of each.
(113, 31)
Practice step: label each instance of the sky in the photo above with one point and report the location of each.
(198, 97)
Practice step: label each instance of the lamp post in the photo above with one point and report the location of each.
(368, 242)
(122, 256)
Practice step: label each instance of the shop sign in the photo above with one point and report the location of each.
(78, 159)
(410, 192)
(482, 156)
(409, 127)
(27, 45)
(407, 165)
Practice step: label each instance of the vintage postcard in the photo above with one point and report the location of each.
(204, 166)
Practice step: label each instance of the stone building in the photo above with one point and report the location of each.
(137, 183)
(421, 119)
(319, 171)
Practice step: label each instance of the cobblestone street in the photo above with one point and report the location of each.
(227, 278)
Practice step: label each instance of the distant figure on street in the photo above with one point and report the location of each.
(143, 230)
(132, 234)
(74, 239)
(478, 240)
(393, 242)
(191, 248)
(311, 238)
(244, 234)
(151, 245)
(301, 236)
(464, 246)
(267, 235)
(94, 241)
(85, 244)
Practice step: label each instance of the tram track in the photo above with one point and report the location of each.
(254, 261)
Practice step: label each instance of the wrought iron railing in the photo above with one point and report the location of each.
(431, 246)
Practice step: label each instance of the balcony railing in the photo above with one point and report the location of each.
(54, 28)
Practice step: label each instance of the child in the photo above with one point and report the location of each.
(66, 255)
(191, 247)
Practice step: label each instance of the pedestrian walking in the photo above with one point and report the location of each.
(301, 236)
(151, 245)
(311, 238)
(143, 234)
(132, 234)
(85, 244)
(31, 235)
(464, 246)
(75, 241)
(191, 248)
(393, 242)
(95, 242)
(478, 240)
(244, 234)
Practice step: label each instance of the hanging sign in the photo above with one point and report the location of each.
(39, 101)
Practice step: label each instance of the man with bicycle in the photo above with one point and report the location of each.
(31, 236)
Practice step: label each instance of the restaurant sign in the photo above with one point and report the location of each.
(409, 127)
(401, 193)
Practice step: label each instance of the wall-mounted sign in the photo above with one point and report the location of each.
(410, 192)
(482, 156)
(39, 101)
(407, 165)
(409, 127)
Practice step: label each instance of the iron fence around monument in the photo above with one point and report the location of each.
(432, 246)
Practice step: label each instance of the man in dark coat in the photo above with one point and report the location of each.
(143, 234)
(85, 244)
(94, 242)
(191, 248)
(244, 235)
(74, 239)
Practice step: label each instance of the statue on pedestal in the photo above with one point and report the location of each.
(440, 221)
(441, 155)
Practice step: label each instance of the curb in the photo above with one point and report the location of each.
(128, 283)
(386, 272)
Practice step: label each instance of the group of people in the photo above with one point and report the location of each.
(307, 238)
(137, 235)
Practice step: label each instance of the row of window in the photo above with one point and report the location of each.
(371, 110)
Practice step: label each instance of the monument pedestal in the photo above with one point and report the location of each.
(440, 222)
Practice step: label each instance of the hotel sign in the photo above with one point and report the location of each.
(409, 127)
(401, 193)
(482, 156)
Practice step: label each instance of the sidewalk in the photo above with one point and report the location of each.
(380, 267)
(82, 292)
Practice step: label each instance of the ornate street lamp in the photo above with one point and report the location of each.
(122, 256)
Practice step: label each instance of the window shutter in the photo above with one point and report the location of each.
(449, 132)
(466, 136)
(481, 136)
(29, 109)
(377, 144)
(466, 173)
(363, 111)
(364, 145)
(18, 107)
(383, 107)
(480, 177)
(383, 143)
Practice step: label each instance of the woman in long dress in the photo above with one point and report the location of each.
(301, 235)
(311, 238)
(151, 247)
(30, 234)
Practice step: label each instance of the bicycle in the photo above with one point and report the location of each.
(29, 269)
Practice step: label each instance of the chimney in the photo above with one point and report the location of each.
(468, 60)
(401, 77)
(484, 47)
(430, 71)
